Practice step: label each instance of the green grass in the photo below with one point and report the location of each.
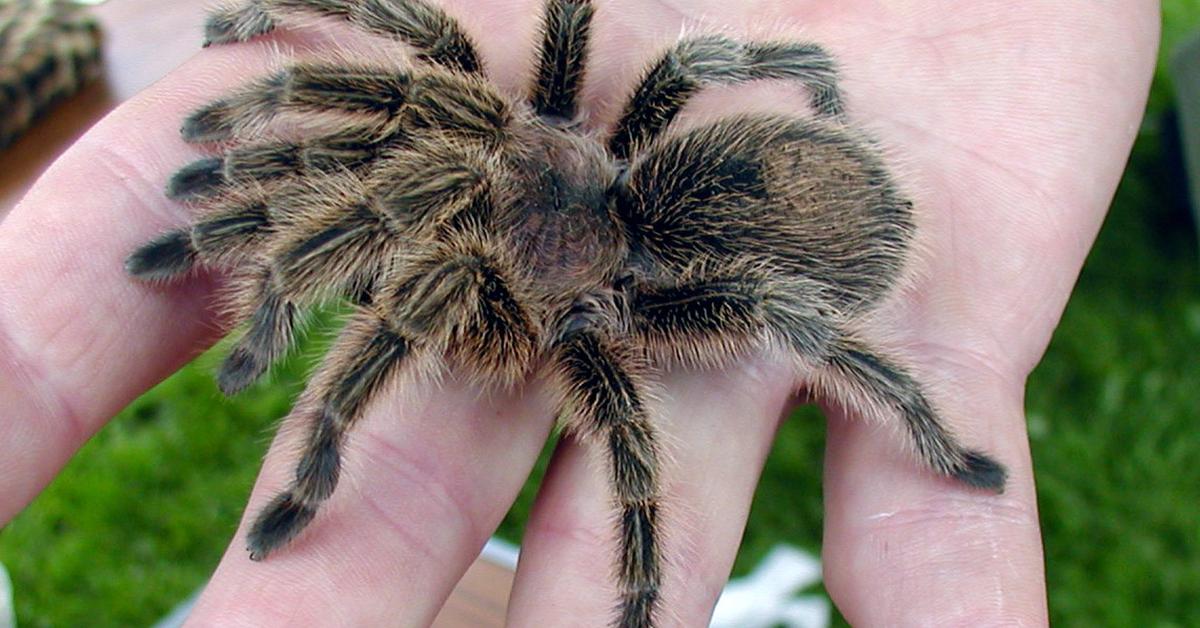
(140, 517)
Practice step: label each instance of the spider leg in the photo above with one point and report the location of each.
(230, 235)
(466, 300)
(717, 60)
(267, 339)
(334, 253)
(856, 371)
(384, 102)
(234, 220)
(452, 301)
(365, 357)
(436, 187)
(602, 401)
(721, 318)
(224, 235)
(167, 256)
(341, 238)
(266, 163)
(234, 22)
(698, 322)
(561, 67)
(369, 92)
(437, 37)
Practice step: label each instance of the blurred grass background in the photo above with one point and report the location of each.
(139, 518)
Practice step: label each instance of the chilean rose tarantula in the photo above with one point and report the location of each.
(487, 230)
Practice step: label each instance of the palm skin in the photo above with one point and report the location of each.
(1009, 126)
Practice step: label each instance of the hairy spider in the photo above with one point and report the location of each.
(488, 231)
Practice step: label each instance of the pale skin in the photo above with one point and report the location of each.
(1010, 125)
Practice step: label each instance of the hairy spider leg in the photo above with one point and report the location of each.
(167, 256)
(361, 362)
(699, 322)
(337, 248)
(436, 37)
(453, 297)
(237, 22)
(562, 64)
(603, 402)
(466, 300)
(266, 163)
(270, 333)
(464, 108)
(717, 320)
(854, 371)
(224, 235)
(695, 62)
(373, 94)
(335, 252)
(725, 317)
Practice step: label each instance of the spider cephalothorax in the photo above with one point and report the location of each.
(471, 226)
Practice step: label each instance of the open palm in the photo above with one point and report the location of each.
(1009, 125)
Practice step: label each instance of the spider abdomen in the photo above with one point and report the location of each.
(799, 195)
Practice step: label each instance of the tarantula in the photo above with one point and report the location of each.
(488, 231)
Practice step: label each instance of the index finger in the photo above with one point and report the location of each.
(78, 339)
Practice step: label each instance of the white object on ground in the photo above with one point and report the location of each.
(8, 614)
(767, 597)
(501, 553)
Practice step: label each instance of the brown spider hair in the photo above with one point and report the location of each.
(485, 230)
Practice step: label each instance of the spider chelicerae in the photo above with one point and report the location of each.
(490, 234)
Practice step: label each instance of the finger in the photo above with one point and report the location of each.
(904, 547)
(428, 475)
(717, 427)
(901, 546)
(78, 338)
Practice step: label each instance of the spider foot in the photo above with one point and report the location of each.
(169, 255)
(980, 471)
(236, 23)
(196, 180)
(637, 609)
(238, 371)
(277, 524)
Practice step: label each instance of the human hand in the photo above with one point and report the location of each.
(1010, 127)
